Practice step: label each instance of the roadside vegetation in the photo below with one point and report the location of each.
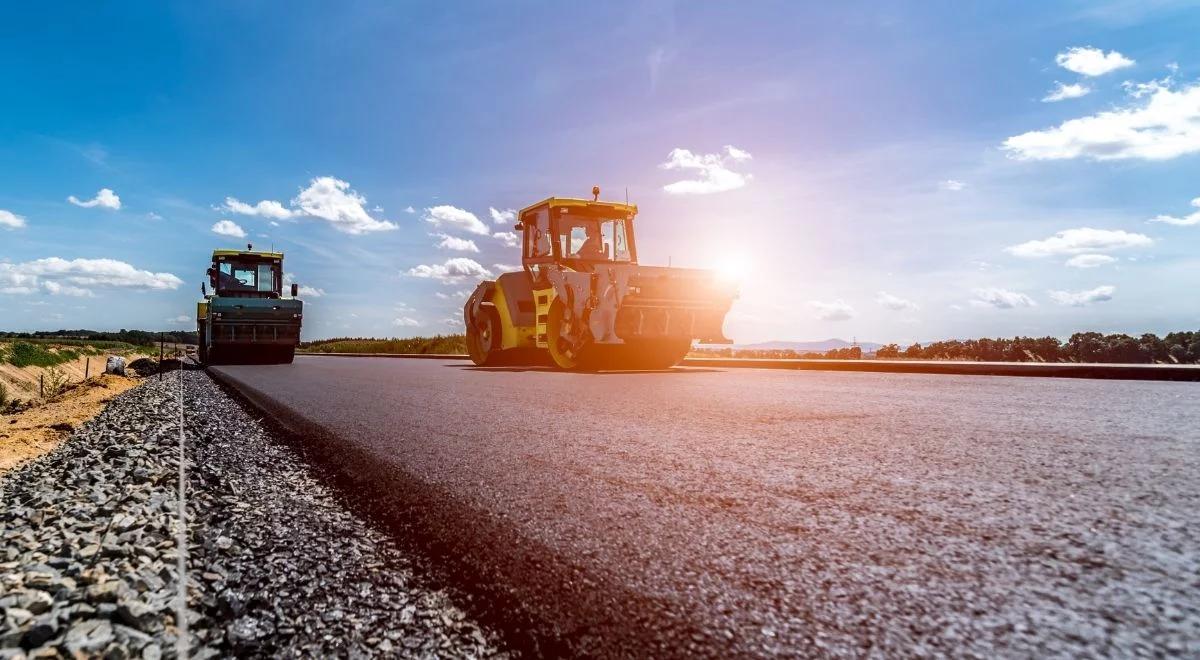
(29, 354)
(120, 339)
(441, 344)
(1174, 348)
(1090, 347)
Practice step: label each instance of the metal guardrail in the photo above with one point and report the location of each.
(1159, 372)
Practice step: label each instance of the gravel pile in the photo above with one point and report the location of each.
(276, 566)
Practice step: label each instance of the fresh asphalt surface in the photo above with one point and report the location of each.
(755, 512)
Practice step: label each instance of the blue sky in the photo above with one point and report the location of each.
(886, 171)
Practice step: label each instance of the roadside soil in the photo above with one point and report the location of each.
(38, 430)
(22, 382)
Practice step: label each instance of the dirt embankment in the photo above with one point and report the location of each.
(39, 429)
(31, 425)
(22, 382)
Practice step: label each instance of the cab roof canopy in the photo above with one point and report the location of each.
(247, 253)
(584, 205)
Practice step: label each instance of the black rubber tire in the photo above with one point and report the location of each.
(588, 357)
(485, 337)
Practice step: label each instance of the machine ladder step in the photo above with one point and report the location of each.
(542, 299)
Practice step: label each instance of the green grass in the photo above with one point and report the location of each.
(51, 352)
(25, 354)
(94, 346)
(423, 345)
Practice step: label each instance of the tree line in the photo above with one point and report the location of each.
(135, 337)
(1173, 348)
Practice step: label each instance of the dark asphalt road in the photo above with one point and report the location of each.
(763, 512)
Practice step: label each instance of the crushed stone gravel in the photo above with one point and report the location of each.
(277, 566)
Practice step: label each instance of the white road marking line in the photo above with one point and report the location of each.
(181, 622)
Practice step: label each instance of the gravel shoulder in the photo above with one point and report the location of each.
(276, 565)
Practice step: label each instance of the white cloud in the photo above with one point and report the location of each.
(507, 216)
(310, 292)
(106, 198)
(895, 302)
(713, 171)
(738, 155)
(77, 277)
(1089, 61)
(506, 268)
(1139, 90)
(952, 185)
(410, 210)
(509, 238)
(153, 216)
(458, 244)
(836, 310)
(1063, 92)
(454, 295)
(56, 289)
(332, 200)
(228, 228)
(452, 322)
(1090, 260)
(181, 319)
(10, 220)
(1079, 241)
(405, 322)
(453, 270)
(1188, 220)
(454, 218)
(1163, 126)
(1000, 298)
(1082, 298)
(267, 208)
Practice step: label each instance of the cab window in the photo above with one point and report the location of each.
(266, 279)
(233, 276)
(537, 233)
(614, 236)
(573, 240)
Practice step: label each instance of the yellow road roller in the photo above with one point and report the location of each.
(583, 300)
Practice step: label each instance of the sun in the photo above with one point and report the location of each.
(732, 268)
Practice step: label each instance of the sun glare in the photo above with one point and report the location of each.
(733, 268)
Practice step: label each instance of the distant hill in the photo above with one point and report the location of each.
(807, 346)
